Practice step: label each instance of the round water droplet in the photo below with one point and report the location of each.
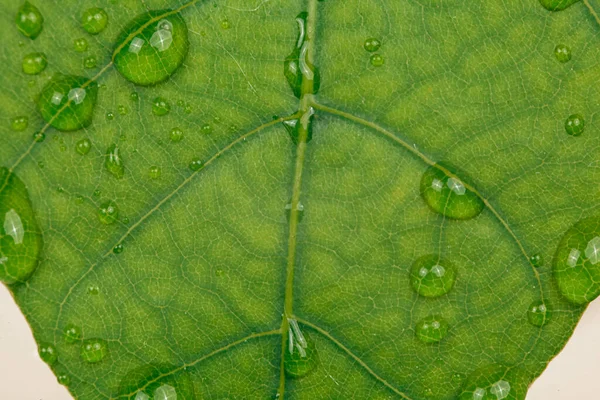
(48, 353)
(557, 5)
(445, 193)
(155, 172)
(300, 360)
(67, 102)
(39, 137)
(207, 128)
(432, 329)
(562, 53)
(122, 110)
(19, 123)
(536, 260)
(108, 212)
(94, 20)
(113, 161)
(80, 45)
(176, 135)
(196, 164)
(225, 24)
(577, 262)
(72, 333)
(110, 116)
(377, 60)
(538, 313)
(118, 249)
(152, 47)
(575, 124)
(34, 63)
(160, 106)
(94, 290)
(90, 62)
(29, 20)
(372, 44)
(493, 382)
(63, 379)
(83, 146)
(20, 236)
(157, 382)
(134, 96)
(432, 276)
(93, 350)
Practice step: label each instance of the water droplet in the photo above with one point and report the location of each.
(118, 249)
(19, 123)
(80, 45)
(301, 356)
(577, 262)
(108, 212)
(94, 20)
(557, 5)
(377, 60)
(20, 236)
(225, 24)
(297, 66)
(447, 194)
(158, 382)
(34, 63)
(536, 260)
(176, 135)
(160, 106)
(93, 350)
(562, 53)
(149, 52)
(432, 276)
(67, 102)
(39, 137)
(134, 96)
(187, 109)
(110, 116)
(196, 164)
(155, 172)
(29, 20)
(492, 383)
(94, 290)
(165, 392)
(575, 124)
(207, 128)
(72, 333)
(299, 208)
(432, 329)
(113, 161)
(48, 353)
(90, 62)
(41, 164)
(372, 44)
(63, 379)
(83, 146)
(96, 193)
(538, 313)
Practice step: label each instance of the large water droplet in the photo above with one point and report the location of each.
(94, 20)
(196, 164)
(292, 126)
(113, 161)
(432, 276)
(67, 102)
(93, 350)
(152, 47)
(575, 124)
(432, 329)
(48, 353)
(29, 20)
(577, 262)
(372, 44)
(297, 67)
(72, 333)
(538, 313)
(445, 193)
(157, 382)
(557, 5)
(20, 236)
(301, 356)
(108, 212)
(493, 382)
(34, 63)
(83, 146)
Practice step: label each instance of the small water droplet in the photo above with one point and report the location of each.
(19, 123)
(299, 208)
(377, 60)
(96, 193)
(39, 137)
(155, 172)
(297, 66)
(557, 5)
(83, 146)
(160, 106)
(118, 249)
(110, 116)
(432, 329)
(34, 63)
(536, 260)
(538, 313)
(48, 353)
(80, 45)
(79, 199)
(63, 379)
(72, 333)
(196, 164)
(575, 124)
(90, 62)
(94, 350)
(432, 276)
(113, 161)
(176, 135)
(492, 382)
(29, 20)
(187, 109)
(562, 53)
(122, 110)
(372, 44)
(134, 96)
(108, 212)
(225, 24)
(94, 290)
(94, 20)
(41, 164)
(207, 128)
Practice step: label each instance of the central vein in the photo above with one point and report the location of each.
(306, 110)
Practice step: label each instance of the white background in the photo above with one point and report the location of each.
(574, 374)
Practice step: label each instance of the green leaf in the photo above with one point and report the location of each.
(186, 215)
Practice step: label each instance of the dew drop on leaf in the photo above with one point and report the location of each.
(20, 236)
(207, 128)
(108, 212)
(301, 356)
(160, 106)
(110, 116)
(492, 382)
(80, 45)
(34, 63)
(122, 110)
(538, 313)
(447, 195)
(297, 65)
(63, 379)
(93, 350)
(113, 161)
(90, 62)
(83, 146)
(94, 290)
(432, 329)
(118, 249)
(71, 333)
(557, 5)
(372, 44)
(536, 260)
(299, 208)
(156, 381)
(94, 20)
(176, 135)
(20, 123)
(151, 47)
(39, 137)
(432, 276)
(67, 102)
(575, 124)
(562, 53)
(48, 353)
(29, 20)
(155, 172)
(196, 164)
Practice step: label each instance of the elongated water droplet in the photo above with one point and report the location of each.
(48, 353)
(19, 123)
(108, 212)
(29, 20)
(372, 44)
(299, 207)
(432, 276)
(577, 262)
(94, 20)
(67, 102)
(152, 47)
(160, 106)
(83, 146)
(562, 53)
(575, 124)
(557, 5)
(446, 194)
(538, 313)
(34, 63)
(113, 161)
(20, 236)
(72, 333)
(297, 67)
(493, 382)
(301, 356)
(432, 329)
(93, 350)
